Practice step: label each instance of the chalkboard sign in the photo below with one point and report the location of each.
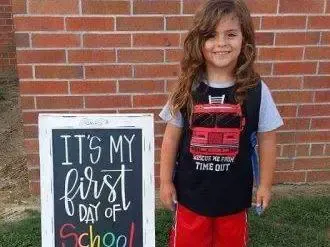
(97, 180)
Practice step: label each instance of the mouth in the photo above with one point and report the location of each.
(221, 52)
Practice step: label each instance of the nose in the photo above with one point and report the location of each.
(221, 40)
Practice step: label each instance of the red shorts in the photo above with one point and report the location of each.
(193, 230)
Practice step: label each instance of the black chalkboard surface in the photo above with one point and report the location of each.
(97, 187)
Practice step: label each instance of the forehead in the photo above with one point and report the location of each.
(228, 22)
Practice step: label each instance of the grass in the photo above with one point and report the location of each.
(290, 222)
(2, 94)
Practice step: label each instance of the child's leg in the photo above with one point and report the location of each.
(190, 229)
(231, 230)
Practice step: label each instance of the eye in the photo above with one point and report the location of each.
(232, 35)
(210, 35)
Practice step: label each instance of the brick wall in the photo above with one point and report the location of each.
(123, 56)
(7, 43)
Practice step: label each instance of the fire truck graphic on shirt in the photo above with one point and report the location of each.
(216, 129)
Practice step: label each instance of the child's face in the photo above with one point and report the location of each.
(222, 50)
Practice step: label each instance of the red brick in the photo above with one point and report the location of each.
(31, 145)
(107, 40)
(34, 174)
(33, 160)
(102, 7)
(316, 82)
(311, 163)
(324, 68)
(44, 23)
(327, 3)
(190, 7)
(30, 117)
(170, 85)
(179, 22)
(320, 123)
(157, 160)
(113, 101)
(63, 72)
(283, 165)
(24, 71)
(52, 7)
(317, 149)
(34, 187)
(262, 6)
(310, 6)
(91, 56)
(139, 23)
(174, 55)
(280, 53)
(90, 23)
(322, 96)
(55, 40)
(314, 110)
(30, 131)
(296, 124)
(89, 87)
(140, 56)
(283, 22)
(263, 68)
(318, 22)
(264, 38)
(141, 86)
(157, 7)
(327, 150)
(40, 56)
(44, 87)
(19, 6)
(149, 100)
(294, 68)
(283, 82)
(7, 28)
(325, 38)
(297, 38)
(166, 39)
(159, 128)
(256, 22)
(106, 71)
(312, 136)
(286, 176)
(59, 102)
(156, 70)
(293, 96)
(284, 137)
(317, 53)
(27, 102)
(288, 151)
(158, 141)
(302, 150)
(318, 176)
(22, 39)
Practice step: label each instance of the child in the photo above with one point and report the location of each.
(217, 112)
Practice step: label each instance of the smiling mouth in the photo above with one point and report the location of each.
(221, 52)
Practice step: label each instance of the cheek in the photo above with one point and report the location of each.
(208, 46)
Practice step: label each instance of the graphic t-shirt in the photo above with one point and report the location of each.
(214, 170)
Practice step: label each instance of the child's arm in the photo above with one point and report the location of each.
(167, 161)
(267, 155)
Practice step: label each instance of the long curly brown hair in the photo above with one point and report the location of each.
(193, 64)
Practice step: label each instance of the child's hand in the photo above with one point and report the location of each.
(263, 197)
(168, 195)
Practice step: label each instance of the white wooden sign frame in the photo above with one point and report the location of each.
(48, 122)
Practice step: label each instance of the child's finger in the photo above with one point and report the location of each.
(265, 203)
(259, 200)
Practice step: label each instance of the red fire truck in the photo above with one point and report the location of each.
(216, 129)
